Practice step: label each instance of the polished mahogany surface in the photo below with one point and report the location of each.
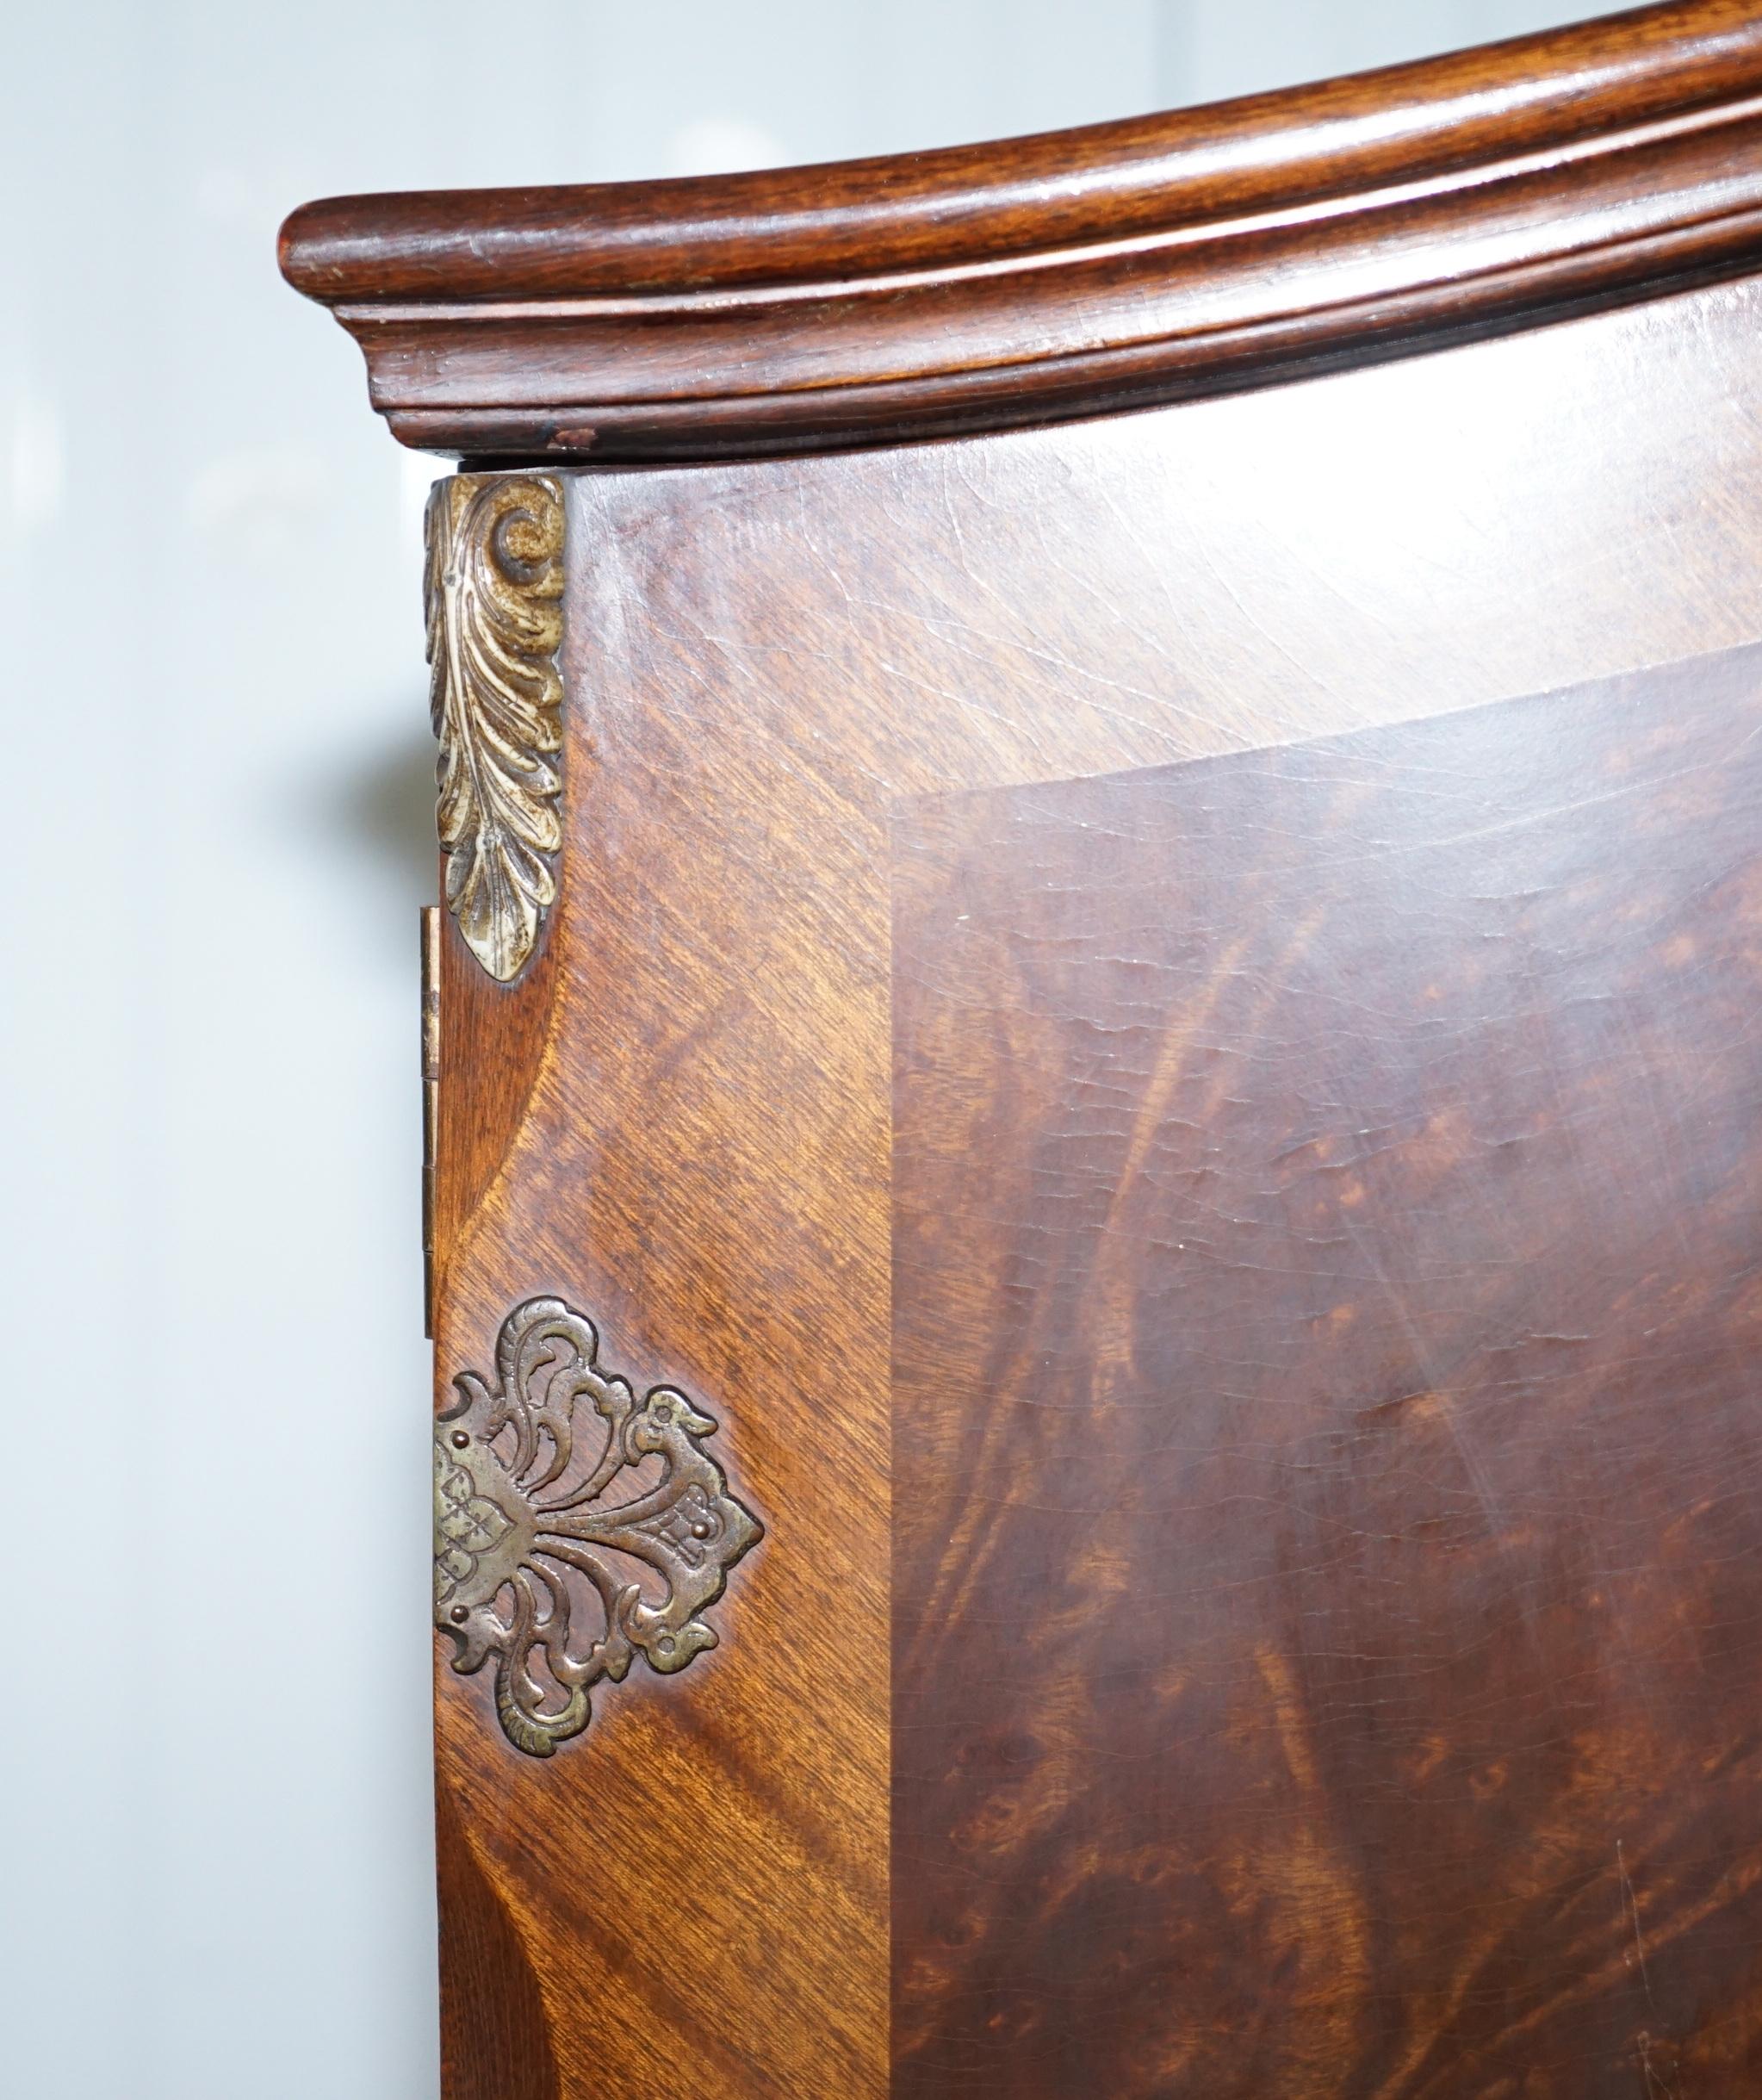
(1327, 1522)
(936, 1009)
(1146, 260)
(682, 1116)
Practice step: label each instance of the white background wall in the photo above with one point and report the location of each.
(214, 1844)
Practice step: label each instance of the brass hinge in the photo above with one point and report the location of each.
(430, 1098)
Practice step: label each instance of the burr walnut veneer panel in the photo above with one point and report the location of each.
(678, 1119)
(1093, 1430)
(1327, 1428)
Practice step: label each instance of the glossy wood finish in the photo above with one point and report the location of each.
(1316, 1705)
(681, 1119)
(1327, 1519)
(1148, 260)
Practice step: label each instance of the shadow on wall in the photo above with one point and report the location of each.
(376, 807)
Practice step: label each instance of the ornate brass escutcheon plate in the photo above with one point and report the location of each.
(559, 1555)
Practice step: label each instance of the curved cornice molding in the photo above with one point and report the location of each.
(933, 294)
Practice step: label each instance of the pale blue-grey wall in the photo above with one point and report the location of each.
(215, 1822)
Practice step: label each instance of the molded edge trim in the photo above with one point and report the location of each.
(929, 295)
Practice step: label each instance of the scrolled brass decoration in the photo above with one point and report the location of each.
(494, 601)
(526, 1532)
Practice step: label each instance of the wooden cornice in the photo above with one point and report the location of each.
(928, 294)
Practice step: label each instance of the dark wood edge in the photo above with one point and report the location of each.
(940, 292)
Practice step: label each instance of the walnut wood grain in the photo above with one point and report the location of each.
(1148, 260)
(1327, 1527)
(764, 664)
(935, 1813)
(495, 2043)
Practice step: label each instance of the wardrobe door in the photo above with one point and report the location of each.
(1088, 1061)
